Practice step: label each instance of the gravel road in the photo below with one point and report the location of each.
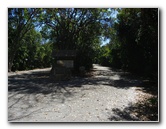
(33, 97)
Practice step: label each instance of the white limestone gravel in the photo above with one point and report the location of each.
(90, 99)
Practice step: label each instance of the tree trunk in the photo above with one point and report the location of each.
(11, 56)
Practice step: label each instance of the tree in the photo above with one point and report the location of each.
(78, 29)
(20, 22)
(135, 40)
(104, 57)
(27, 52)
(32, 54)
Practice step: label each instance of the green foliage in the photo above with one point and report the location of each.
(77, 29)
(67, 28)
(20, 22)
(104, 56)
(134, 44)
(32, 54)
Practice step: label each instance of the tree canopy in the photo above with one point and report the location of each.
(34, 33)
(67, 28)
(134, 40)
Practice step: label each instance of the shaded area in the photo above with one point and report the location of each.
(12, 119)
(38, 86)
(150, 86)
(145, 110)
(142, 111)
(39, 82)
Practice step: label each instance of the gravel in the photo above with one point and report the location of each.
(32, 97)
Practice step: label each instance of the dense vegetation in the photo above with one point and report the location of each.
(34, 33)
(134, 42)
(71, 28)
(23, 39)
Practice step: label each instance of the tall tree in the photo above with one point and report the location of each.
(135, 40)
(78, 29)
(68, 28)
(20, 22)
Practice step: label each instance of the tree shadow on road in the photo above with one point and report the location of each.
(40, 83)
(143, 111)
(36, 83)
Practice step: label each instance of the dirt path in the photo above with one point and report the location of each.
(33, 97)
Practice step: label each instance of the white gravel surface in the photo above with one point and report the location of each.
(32, 97)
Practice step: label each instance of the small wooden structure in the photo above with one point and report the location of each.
(63, 64)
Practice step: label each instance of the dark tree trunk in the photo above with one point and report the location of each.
(11, 56)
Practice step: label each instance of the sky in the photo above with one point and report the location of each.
(104, 42)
